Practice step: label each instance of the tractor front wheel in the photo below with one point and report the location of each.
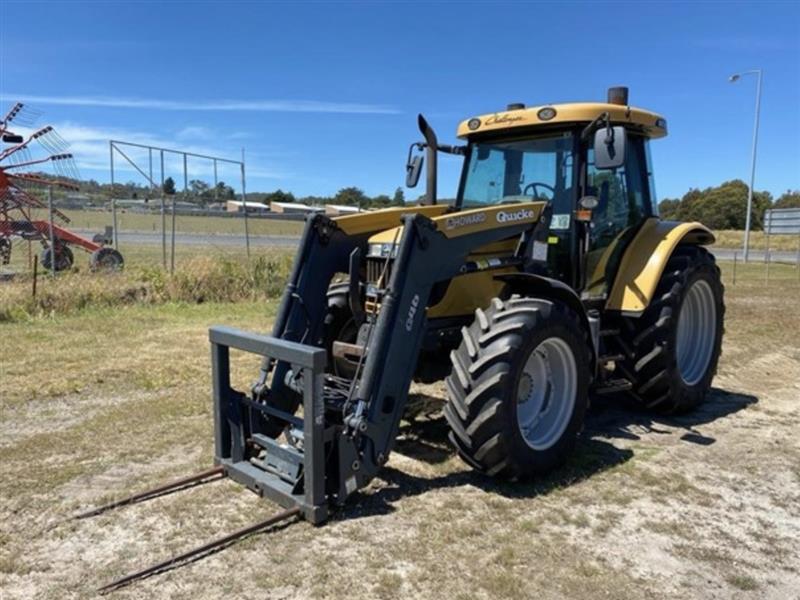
(518, 390)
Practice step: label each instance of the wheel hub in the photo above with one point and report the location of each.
(546, 393)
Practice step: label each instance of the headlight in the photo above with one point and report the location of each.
(382, 250)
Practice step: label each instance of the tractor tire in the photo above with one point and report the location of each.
(106, 259)
(64, 258)
(339, 325)
(502, 422)
(672, 350)
(5, 251)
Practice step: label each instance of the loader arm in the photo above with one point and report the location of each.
(348, 427)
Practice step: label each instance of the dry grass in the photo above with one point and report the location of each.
(197, 280)
(104, 401)
(758, 240)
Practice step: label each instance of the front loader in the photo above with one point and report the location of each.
(348, 427)
(550, 279)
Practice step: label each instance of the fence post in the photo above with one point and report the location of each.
(244, 206)
(766, 258)
(35, 275)
(734, 267)
(172, 248)
(52, 231)
(797, 262)
(115, 229)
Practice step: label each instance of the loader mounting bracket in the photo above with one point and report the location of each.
(288, 477)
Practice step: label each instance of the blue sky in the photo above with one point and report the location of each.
(325, 95)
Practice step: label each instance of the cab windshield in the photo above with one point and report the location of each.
(538, 168)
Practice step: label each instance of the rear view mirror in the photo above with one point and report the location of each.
(413, 168)
(609, 147)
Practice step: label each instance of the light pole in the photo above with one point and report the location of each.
(733, 78)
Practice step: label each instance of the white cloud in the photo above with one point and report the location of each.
(308, 106)
(196, 132)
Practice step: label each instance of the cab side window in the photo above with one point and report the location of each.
(623, 195)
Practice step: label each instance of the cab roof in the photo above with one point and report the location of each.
(648, 123)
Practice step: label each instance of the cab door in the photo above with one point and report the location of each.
(623, 203)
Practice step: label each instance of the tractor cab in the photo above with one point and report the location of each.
(551, 153)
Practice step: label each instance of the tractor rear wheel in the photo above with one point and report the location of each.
(673, 348)
(518, 390)
(340, 326)
(64, 257)
(5, 251)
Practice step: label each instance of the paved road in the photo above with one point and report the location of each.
(233, 239)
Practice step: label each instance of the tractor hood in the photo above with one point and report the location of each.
(387, 236)
(384, 243)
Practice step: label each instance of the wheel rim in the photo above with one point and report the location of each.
(697, 329)
(546, 393)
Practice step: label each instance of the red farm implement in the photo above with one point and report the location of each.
(19, 202)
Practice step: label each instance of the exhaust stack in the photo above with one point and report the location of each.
(618, 95)
(431, 145)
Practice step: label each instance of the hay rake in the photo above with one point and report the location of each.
(23, 169)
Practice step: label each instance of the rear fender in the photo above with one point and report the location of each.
(645, 259)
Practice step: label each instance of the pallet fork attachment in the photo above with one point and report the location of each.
(281, 477)
(198, 552)
(203, 477)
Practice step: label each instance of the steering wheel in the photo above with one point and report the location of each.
(535, 184)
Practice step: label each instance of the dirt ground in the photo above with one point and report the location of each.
(702, 506)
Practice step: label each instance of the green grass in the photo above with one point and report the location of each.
(758, 273)
(106, 350)
(133, 221)
(743, 582)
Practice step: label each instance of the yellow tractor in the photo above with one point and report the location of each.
(549, 279)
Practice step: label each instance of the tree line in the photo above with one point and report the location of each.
(348, 196)
(725, 206)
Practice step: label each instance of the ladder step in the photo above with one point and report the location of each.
(614, 385)
(611, 358)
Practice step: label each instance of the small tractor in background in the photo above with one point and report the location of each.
(18, 203)
(549, 280)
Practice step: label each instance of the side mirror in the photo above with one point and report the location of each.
(413, 169)
(609, 147)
